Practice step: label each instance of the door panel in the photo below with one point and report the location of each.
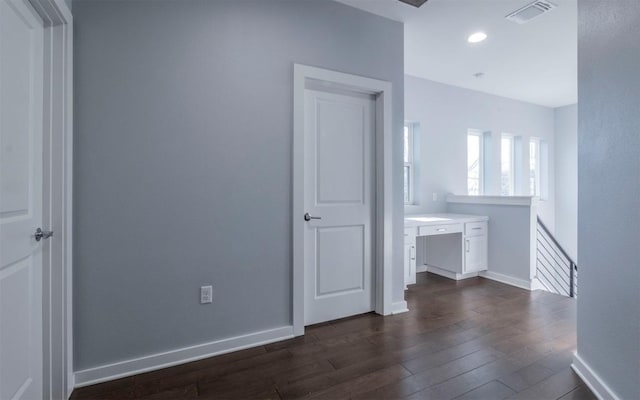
(21, 74)
(339, 140)
(15, 309)
(16, 79)
(340, 265)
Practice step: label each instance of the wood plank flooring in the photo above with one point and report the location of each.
(473, 339)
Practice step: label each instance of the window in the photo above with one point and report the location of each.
(536, 168)
(475, 167)
(507, 165)
(408, 172)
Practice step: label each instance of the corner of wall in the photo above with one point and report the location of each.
(592, 379)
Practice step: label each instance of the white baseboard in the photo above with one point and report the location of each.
(399, 307)
(592, 380)
(448, 274)
(536, 284)
(153, 362)
(421, 268)
(509, 280)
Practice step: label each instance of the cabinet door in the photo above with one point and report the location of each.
(409, 264)
(412, 265)
(475, 254)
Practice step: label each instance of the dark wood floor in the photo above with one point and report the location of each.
(475, 339)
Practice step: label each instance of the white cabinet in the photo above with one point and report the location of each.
(475, 247)
(452, 245)
(409, 256)
(409, 264)
(439, 229)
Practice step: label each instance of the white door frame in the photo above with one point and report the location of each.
(58, 380)
(383, 174)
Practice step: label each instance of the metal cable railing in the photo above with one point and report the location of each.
(556, 271)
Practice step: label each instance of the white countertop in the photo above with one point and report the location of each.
(440, 219)
(527, 201)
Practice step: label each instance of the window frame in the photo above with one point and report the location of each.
(481, 160)
(410, 126)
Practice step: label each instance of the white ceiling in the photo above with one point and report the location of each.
(534, 62)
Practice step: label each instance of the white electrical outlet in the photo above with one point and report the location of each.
(435, 196)
(206, 294)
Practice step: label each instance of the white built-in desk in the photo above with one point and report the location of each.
(451, 245)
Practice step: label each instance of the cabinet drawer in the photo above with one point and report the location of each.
(410, 235)
(475, 228)
(439, 229)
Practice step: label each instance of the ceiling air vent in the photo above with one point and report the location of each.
(415, 3)
(530, 11)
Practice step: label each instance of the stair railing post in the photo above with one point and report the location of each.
(571, 294)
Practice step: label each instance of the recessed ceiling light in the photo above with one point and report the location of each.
(477, 37)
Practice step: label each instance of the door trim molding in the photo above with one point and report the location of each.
(58, 377)
(383, 177)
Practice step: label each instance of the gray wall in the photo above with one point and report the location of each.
(609, 192)
(566, 176)
(445, 113)
(183, 162)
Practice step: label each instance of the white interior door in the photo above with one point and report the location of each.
(339, 189)
(21, 91)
